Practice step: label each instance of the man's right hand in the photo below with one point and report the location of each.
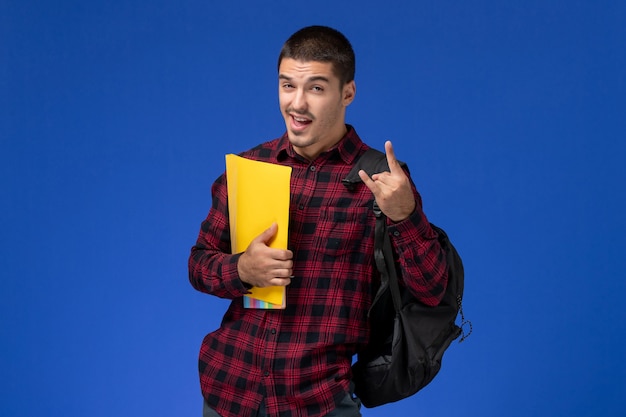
(262, 266)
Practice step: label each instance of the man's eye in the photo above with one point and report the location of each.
(287, 85)
(317, 88)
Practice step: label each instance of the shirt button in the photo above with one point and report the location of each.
(266, 373)
(273, 331)
(312, 168)
(396, 233)
(301, 206)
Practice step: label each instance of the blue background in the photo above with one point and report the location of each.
(114, 120)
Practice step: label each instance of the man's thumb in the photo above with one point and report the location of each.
(268, 233)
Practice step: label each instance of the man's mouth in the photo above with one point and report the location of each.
(300, 122)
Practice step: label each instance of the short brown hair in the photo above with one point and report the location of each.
(321, 44)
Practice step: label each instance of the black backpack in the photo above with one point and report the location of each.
(408, 338)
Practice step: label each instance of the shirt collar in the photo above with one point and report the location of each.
(348, 148)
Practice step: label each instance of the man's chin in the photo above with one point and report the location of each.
(299, 139)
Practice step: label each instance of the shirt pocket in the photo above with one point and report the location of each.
(342, 230)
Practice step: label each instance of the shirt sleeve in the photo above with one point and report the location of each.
(420, 259)
(212, 267)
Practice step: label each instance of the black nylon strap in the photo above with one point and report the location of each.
(383, 255)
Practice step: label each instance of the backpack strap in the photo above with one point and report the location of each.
(372, 162)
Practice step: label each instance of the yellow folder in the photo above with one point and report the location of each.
(258, 195)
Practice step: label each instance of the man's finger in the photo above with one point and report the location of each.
(368, 182)
(267, 234)
(393, 163)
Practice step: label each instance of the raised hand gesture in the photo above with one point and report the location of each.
(392, 190)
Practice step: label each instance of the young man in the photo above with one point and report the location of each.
(296, 361)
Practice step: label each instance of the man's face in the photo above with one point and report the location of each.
(313, 105)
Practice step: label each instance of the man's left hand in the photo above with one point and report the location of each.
(392, 189)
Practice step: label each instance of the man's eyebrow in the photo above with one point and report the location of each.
(318, 78)
(311, 79)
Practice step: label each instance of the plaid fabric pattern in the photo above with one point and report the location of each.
(298, 360)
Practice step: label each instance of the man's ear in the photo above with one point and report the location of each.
(349, 91)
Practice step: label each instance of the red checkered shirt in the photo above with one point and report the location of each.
(298, 360)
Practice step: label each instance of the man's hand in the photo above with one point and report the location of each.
(262, 266)
(392, 190)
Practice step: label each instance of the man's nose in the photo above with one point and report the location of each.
(299, 101)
